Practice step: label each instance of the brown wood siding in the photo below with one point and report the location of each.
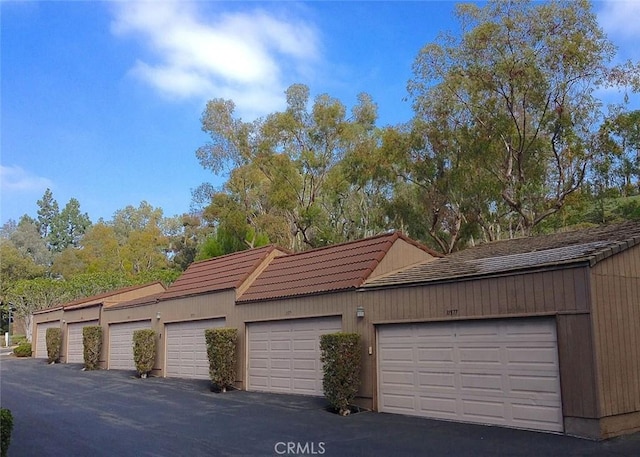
(577, 371)
(82, 314)
(615, 287)
(548, 292)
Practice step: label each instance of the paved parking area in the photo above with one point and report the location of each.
(60, 410)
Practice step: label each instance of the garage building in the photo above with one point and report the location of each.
(515, 332)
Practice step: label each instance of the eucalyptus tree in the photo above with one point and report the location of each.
(621, 136)
(284, 169)
(514, 94)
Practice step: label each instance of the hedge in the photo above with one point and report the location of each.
(54, 344)
(221, 351)
(340, 356)
(23, 350)
(6, 427)
(144, 351)
(92, 342)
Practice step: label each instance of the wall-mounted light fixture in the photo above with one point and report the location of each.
(158, 315)
(360, 311)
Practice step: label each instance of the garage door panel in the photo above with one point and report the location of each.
(533, 385)
(430, 355)
(533, 416)
(480, 355)
(532, 355)
(392, 354)
(305, 365)
(441, 407)
(186, 348)
(485, 410)
(290, 350)
(472, 371)
(75, 345)
(481, 383)
(398, 378)
(435, 380)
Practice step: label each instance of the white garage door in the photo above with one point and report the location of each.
(75, 347)
(284, 356)
(187, 348)
(41, 338)
(121, 344)
(502, 372)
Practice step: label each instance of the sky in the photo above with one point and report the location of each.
(101, 101)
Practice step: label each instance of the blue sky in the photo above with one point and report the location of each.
(101, 101)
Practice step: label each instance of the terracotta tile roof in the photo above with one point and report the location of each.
(588, 245)
(220, 273)
(331, 268)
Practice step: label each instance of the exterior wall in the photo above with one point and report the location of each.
(40, 318)
(177, 310)
(400, 255)
(615, 287)
(577, 375)
(88, 313)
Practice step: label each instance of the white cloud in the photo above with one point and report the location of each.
(16, 179)
(250, 56)
(620, 18)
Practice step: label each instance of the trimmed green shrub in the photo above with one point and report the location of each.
(54, 344)
(6, 427)
(23, 350)
(221, 351)
(340, 356)
(144, 351)
(92, 342)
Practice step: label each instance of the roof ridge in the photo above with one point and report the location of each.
(391, 234)
(236, 253)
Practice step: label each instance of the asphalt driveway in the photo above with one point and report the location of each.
(60, 410)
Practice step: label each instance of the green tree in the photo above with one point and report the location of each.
(620, 137)
(100, 251)
(28, 296)
(26, 238)
(284, 169)
(68, 227)
(186, 234)
(515, 93)
(48, 210)
(15, 266)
